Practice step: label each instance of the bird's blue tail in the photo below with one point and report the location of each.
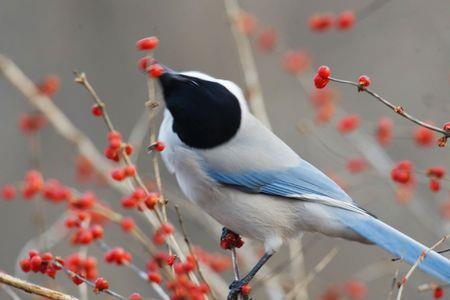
(396, 243)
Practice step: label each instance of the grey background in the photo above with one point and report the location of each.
(403, 46)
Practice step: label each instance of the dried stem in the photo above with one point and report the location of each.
(256, 100)
(33, 288)
(416, 264)
(396, 108)
(191, 251)
(310, 277)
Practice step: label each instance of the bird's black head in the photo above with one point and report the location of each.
(206, 114)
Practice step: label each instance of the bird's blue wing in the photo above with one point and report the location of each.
(302, 180)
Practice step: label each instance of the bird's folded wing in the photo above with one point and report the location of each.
(302, 182)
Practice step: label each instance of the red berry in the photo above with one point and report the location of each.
(171, 260)
(148, 43)
(438, 293)
(154, 277)
(246, 22)
(345, 20)
(356, 165)
(435, 185)
(320, 82)
(438, 172)
(296, 62)
(32, 253)
(77, 280)
(97, 110)
(36, 262)
(8, 192)
(118, 174)
(364, 81)
(129, 149)
(97, 231)
(101, 284)
(25, 265)
(135, 296)
(112, 135)
(348, 123)
(245, 290)
(267, 39)
(143, 63)
(151, 200)
(129, 171)
(446, 126)
(47, 257)
(50, 85)
(355, 289)
(167, 228)
(127, 224)
(384, 131)
(159, 146)
(156, 70)
(424, 136)
(324, 72)
(321, 22)
(158, 238)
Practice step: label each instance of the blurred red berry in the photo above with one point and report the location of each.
(321, 22)
(345, 20)
(135, 296)
(348, 123)
(246, 290)
(35, 263)
(159, 146)
(49, 85)
(147, 43)
(247, 23)
(324, 72)
(118, 174)
(384, 131)
(156, 70)
(267, 39)
(129, 171)
(101, 284)
(364, 81)
(154, 277)
(356, 165)
(144, 63)
(435, 185)
(295, 62)
(8, 192)
(25, 265)
(127, 224)
(424, 136)
(320, 82)
(129, 149)
(446, 126)
(97, 110)
(438, 293)
(355, 289)
(167, 228)
(97, 231)
(438, 172)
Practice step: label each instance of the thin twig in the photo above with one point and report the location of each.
(393, 284)
(396, 108)
(33, 288)
(416, 264)
(311, 275)
(191, 251)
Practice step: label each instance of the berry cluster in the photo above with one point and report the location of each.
(118, 256)
(435, 174)
(403, 172)
(160, 234)
(138, 197)
(39, 263)
(230, 239)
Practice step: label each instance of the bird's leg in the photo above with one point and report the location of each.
(236, 286)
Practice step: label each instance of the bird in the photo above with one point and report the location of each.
(244, 176)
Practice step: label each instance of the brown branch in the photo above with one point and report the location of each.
(191, 250)
(396, 108)
(256, 100)
(32, 288)
(58, 119)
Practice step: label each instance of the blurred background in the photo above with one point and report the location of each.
(403, 47)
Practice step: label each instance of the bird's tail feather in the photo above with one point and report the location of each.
(397, 243)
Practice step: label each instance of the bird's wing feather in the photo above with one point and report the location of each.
(257, 161)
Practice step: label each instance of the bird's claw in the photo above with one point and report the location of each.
(235, 289)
